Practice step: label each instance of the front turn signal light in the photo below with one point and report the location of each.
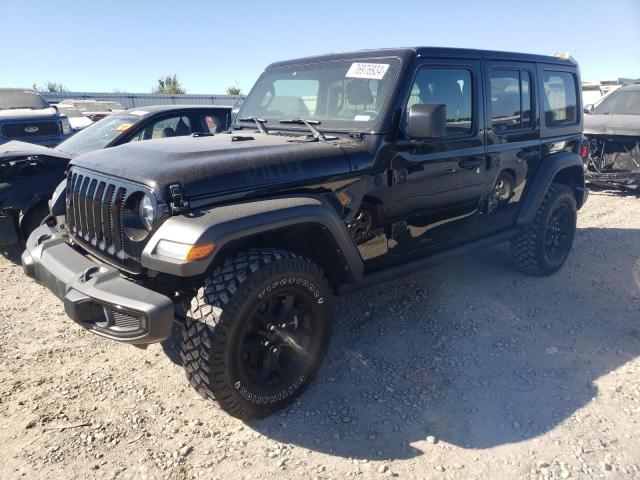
(184, 251)
(200, 252)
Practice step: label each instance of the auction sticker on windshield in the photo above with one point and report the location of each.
(374, 71)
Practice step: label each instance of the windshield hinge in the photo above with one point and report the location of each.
(178, 203)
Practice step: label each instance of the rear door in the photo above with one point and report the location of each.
(438, 185)
(513, 138)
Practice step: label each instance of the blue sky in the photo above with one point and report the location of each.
(127, 45)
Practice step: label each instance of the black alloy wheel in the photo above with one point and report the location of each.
(277, 339)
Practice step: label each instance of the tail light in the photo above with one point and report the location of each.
(584, 150)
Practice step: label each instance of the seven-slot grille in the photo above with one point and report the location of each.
(29, 129)
(94, 217)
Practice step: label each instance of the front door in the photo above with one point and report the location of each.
(438, 185)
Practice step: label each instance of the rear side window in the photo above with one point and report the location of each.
(510, 100)
(170, 127)
(560, 102)
(451, 86)
(215, 122)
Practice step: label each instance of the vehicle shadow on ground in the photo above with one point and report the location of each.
(613, 191)
(12, 254)
(471, 352)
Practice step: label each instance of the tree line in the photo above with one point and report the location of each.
(167, 85)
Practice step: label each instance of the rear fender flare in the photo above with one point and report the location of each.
(228, 223)
(549, 169)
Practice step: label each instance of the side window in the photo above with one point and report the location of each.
(450, 86)
(525, 95)
(168, 127)
(560, 102)
(510, 100)
(215, 122)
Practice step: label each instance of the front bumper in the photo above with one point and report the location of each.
(96, 296)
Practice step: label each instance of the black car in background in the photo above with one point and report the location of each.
(30, 173)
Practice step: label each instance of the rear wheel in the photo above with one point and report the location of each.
(544, 245)
(257, 331)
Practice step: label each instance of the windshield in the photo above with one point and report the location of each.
(10, 99)
(91, 107)
(621, 102)
(98, 135)
(340, 95)
(70, 112)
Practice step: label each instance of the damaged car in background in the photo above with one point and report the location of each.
(612, 129)
(30, 173)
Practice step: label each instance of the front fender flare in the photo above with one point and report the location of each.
(227, 223)
(548, 170)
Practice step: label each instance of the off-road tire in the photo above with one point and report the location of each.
(528, 248)
(215, 319)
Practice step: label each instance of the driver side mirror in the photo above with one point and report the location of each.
(588, 109)
(427, 121)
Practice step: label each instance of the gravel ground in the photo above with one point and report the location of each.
(468, 370)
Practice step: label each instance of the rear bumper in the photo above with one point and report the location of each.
(95, 296)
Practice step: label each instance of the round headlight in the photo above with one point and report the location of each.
(147, 212)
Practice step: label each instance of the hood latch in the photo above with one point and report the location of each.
(178, 203)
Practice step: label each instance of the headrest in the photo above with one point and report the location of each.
(358, 92)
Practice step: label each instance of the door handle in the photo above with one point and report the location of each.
(470, 163)
(450, 170)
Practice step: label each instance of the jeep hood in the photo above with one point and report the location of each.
(612, 125)
(224, 163)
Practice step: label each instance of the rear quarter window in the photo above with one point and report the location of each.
(560, 99)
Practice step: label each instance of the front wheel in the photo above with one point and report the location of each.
(257, 331)
(544, 245)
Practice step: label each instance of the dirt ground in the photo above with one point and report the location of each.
(465, 371)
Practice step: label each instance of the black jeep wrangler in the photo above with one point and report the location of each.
(342, 171)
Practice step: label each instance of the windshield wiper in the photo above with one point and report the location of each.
(317, 134)
(259, 123)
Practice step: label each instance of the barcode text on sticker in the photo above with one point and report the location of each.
(374, 71)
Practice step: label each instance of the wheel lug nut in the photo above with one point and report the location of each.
(266, 343)
(284, 325)
(271, 327)
(274, 350)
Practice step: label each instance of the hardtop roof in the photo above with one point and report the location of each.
(437, 52)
